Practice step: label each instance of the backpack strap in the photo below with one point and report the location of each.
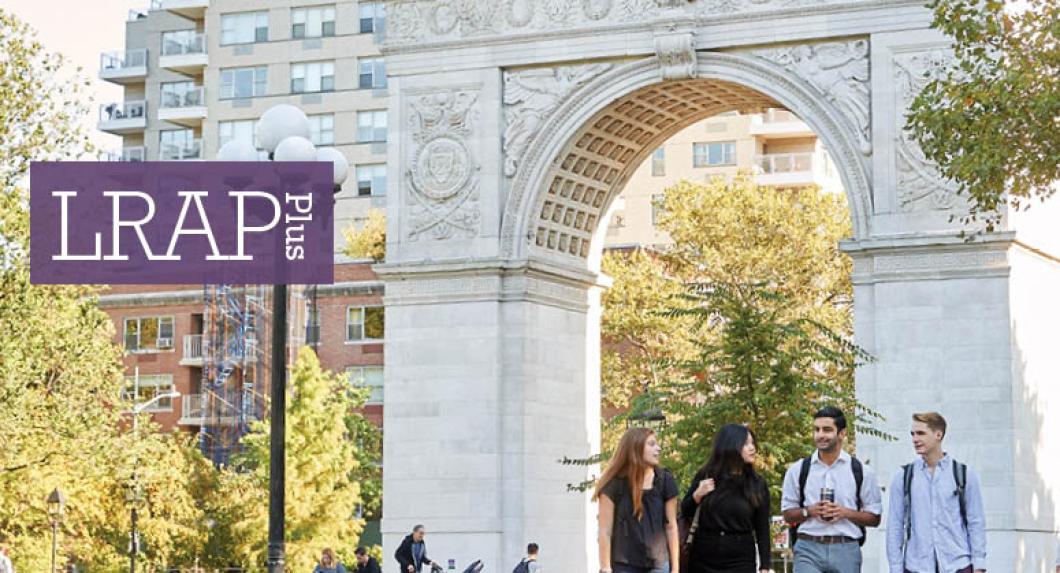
(804, 475)
(907, 495)
(960, 477)
(859, 478)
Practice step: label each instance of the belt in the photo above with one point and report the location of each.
(827, 539)
(720, 533)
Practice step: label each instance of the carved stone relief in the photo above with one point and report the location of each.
(451, 20)
(442, 172)
(530, 96)
(920, 187)
(676, 51)
(839, 71)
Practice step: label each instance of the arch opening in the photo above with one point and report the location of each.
(602, 134)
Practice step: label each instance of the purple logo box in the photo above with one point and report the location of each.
(181, 222)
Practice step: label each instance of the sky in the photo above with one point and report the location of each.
(81, 30)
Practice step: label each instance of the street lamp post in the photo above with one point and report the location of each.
(56, 505)
(284, 132)
(134, 490)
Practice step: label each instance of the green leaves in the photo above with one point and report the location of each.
(331, 472)
(992, 122)
(747, 318)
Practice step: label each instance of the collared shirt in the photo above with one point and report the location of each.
(840, 477)
(937, 533)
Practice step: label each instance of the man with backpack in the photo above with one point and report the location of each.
(936, 522)
(830, 498)
(529, 564)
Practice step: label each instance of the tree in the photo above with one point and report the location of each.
(746, 317)
(991, 120)
(60, 372)
(368, 242)
(323, 468)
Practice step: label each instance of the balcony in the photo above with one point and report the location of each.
(184, 52)
(191, 409)
(123, 118)
(192, 355)
(191, 9)
(187, 107)
(191, 149)
(778, 124)
(128, 67)
(793, 169)
(126, 154)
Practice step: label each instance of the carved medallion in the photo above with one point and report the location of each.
(597, 9)
(519, 13)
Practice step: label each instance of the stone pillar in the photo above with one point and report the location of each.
(492, 378)
(953, 326)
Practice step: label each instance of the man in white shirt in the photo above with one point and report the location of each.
(5, 561)
(830, 532)
(1058, 556)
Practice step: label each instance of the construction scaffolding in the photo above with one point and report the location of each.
(236, 369)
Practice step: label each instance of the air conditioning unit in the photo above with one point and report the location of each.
(165, 343)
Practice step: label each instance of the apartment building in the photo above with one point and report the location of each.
(780, 149)
(197, 74)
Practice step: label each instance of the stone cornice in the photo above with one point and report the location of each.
(929, 257)
(485, 280)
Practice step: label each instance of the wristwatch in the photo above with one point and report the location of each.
(805, 513)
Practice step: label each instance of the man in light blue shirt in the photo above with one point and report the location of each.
(929, 531)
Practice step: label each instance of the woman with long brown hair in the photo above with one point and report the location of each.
(638, 509)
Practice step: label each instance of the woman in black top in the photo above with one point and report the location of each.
(733, 504)
(638, 509)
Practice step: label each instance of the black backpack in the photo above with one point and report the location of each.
(960, 476)
(522, 567)
(804, 475)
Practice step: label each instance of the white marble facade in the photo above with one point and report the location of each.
(515, 123)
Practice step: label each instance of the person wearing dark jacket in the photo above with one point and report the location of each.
(733, 503)
(411, 555)
(365, 562)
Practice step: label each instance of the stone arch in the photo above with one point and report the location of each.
(592, 143)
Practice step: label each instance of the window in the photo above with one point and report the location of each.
(373, 73)
(313, 22)
(720, 153)
(313, 77)
(657, 207)
(242, 130)
(181, 94)
(142, 389)
(370, 377)
(244, 28)
(243, 82)
(322, 129)
(658, 162)
(312, 327)
(371, 126)
(371, 180)
(364, 323)
(372, 17)
(177, 144)
(149, 334)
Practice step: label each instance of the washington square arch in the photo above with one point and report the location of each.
(515, 123)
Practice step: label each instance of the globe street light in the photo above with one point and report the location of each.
(56, 505)
(283, 131)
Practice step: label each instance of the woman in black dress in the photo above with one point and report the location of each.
(733, 504)
(638, 509)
